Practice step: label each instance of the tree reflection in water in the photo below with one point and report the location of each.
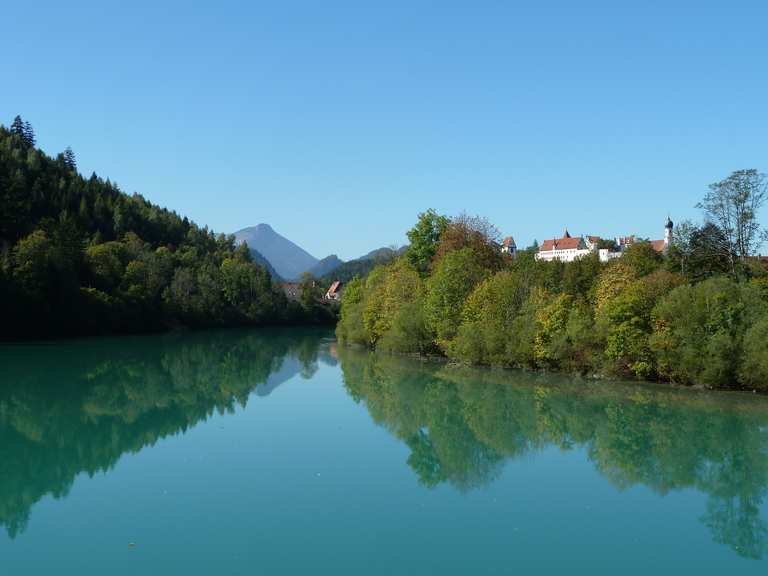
(78, 406)
(461, 424)
(74, 407)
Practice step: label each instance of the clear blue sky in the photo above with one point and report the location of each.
(337, 122)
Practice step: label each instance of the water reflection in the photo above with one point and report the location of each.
(462, 424)
(77, 407)
(73, 408)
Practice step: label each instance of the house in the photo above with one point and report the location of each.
(508, 246)
(567, 248)
(334, 292)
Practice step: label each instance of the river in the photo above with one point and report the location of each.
(280, 452)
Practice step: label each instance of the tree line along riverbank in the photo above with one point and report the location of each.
(80, 257)
(696, 314)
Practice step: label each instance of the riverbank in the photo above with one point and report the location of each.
(637, 316)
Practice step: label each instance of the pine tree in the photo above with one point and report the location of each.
(29, 134)
(69, 159)
(17, 127)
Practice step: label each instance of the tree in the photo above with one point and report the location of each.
(454, 278)
(699, 332)
(424, 238)
(29, 134)
(476, 233)
(710, 253)
(17, 128)
(627, 320)
(681, 248)
(69, 159)
(732, 204)
(145, 268)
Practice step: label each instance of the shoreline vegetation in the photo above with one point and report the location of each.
(696, 314)
(79, 257)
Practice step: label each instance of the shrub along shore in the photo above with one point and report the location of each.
(697, 314)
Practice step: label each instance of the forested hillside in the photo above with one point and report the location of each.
(79, 256)
(696, 315)
(360, 267)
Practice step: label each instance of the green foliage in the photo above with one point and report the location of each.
(424, 238)
(488, 316)
(454, 278)
(551, 322)
(461, 425)
(385, 310)
(753, 372)
(635, 316)
(627, 323)
(641, 258)
(632, 316)
(699, 333)
(81, 257)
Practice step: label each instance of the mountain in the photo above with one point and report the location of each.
(259, 259)
(363, 265)
(287, 259)
(79, 257)
(326, 266)
(383, 254)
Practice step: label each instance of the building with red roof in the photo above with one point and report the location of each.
(334, 292)
(569, 248)
(508, 246)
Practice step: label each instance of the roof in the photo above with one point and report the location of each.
(509, 242)
(334, 287)
(564, 243)
(658, 245)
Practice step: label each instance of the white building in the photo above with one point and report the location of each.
(568, 248)
(508, 246)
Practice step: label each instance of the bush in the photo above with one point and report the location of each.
(699, 333)
(626, 319)
(455, 276)
(754, 368)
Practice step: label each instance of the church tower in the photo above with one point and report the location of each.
(668, 233)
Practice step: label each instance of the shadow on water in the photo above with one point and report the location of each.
(73, 407)
(462, 424)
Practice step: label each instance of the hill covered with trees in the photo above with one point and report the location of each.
(78, 256)
(696, 315)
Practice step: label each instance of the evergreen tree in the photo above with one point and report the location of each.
(29, 134)
(80, 257)
(69, 159)
(17, 127)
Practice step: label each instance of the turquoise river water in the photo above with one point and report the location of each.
(279, 452)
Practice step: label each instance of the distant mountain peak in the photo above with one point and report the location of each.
(289, 260)
(326, 266)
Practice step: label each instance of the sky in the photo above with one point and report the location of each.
(339, 122)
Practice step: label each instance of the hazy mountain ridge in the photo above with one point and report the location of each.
(326, 266)
(363, 265)
(288, 259)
